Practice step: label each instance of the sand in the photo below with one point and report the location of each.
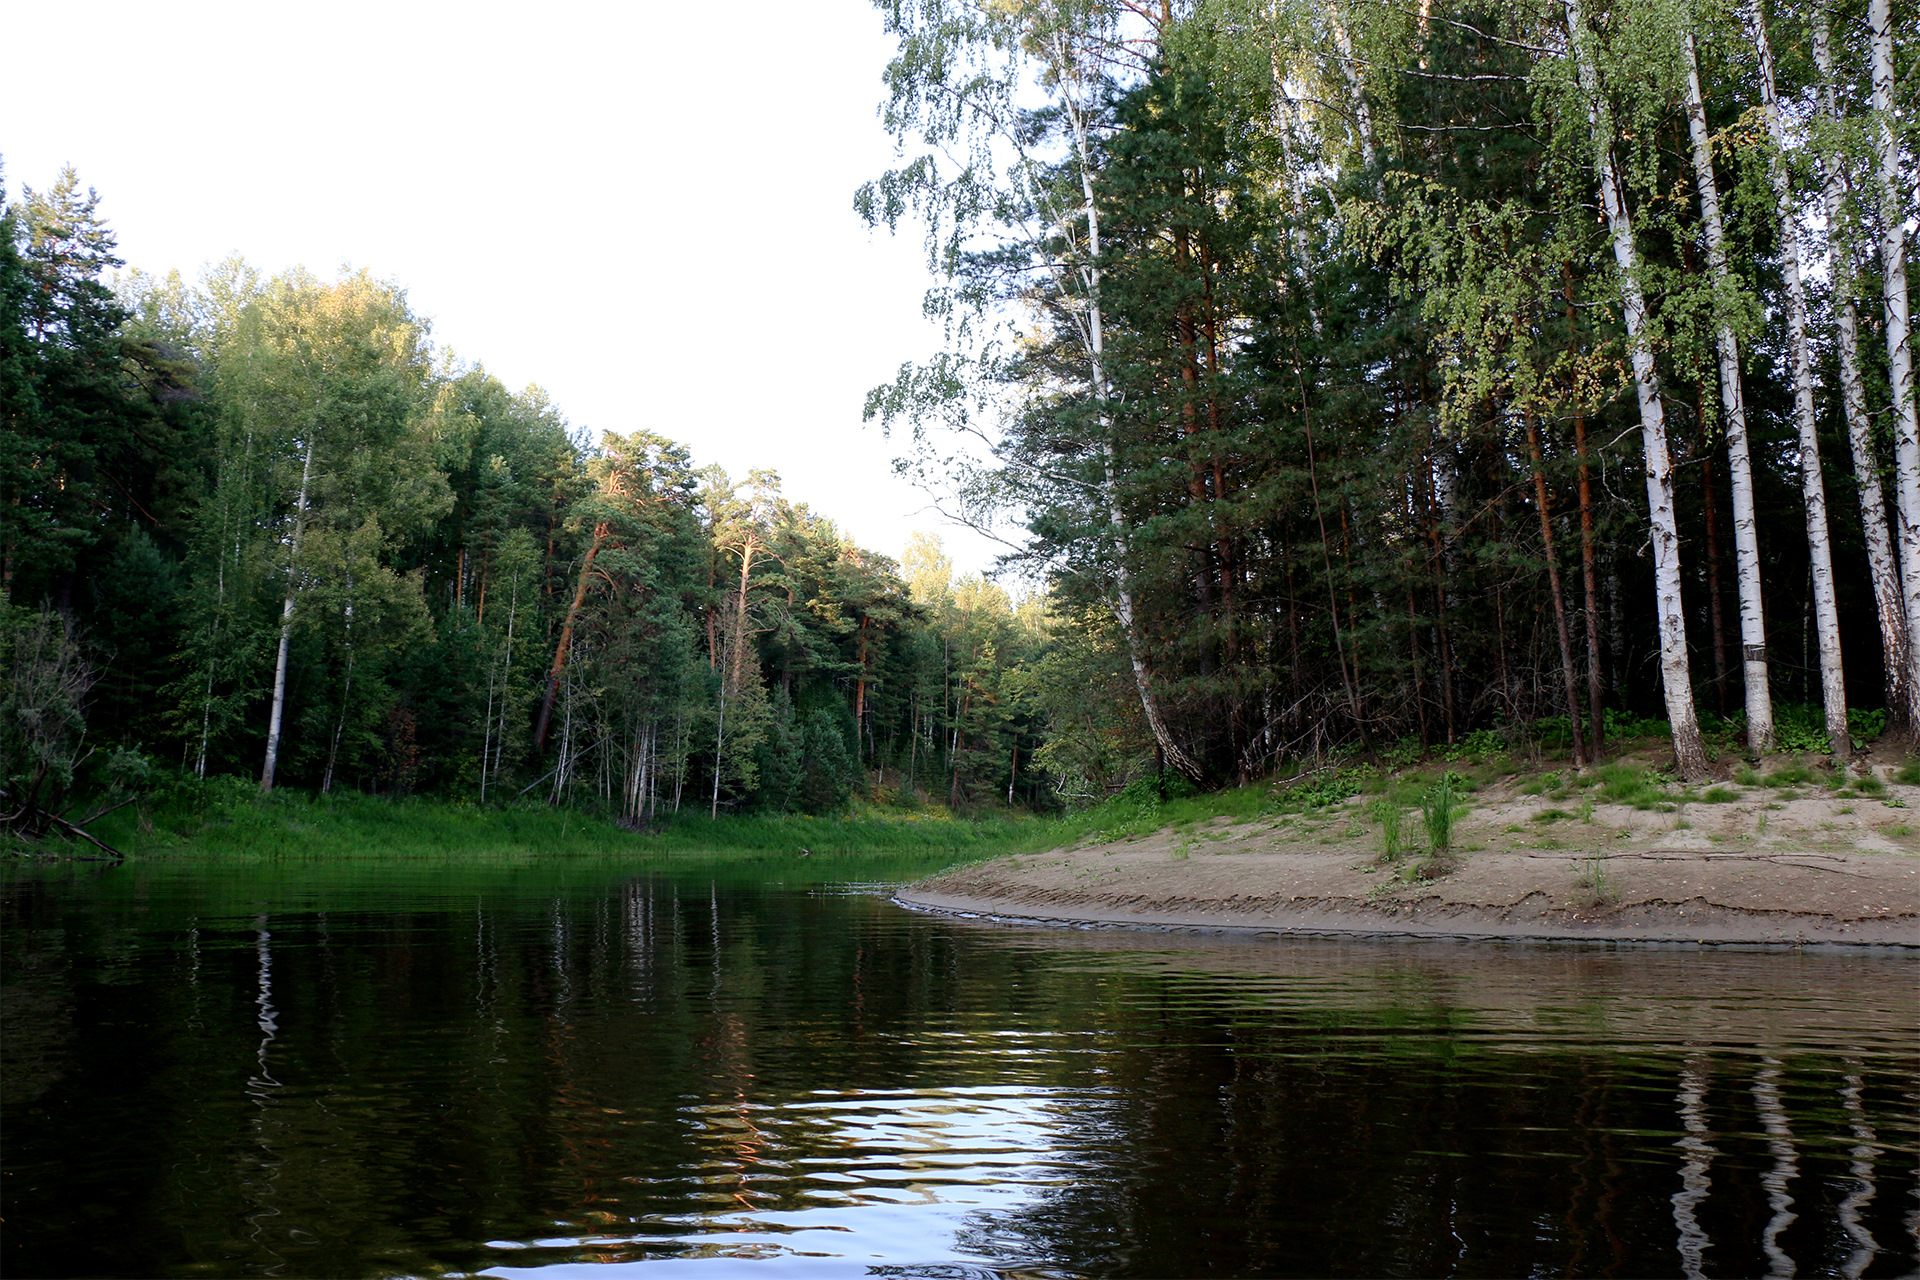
(1790, 866)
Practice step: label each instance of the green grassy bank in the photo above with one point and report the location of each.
(233, 821)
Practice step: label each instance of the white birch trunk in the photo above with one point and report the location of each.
(1283, 118)
(1123, 609)
(286, 626)
(1690, 754)
(1826, 604)
(1881, 565)
(1899, 326)
(1362, 114)
(1746, 533)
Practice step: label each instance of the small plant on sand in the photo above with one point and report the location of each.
(1745, 776)
(1899, 829)
(1586, 809)
(1551, 815)
(1602, 886)
(1440, 808)
(1719, 795)
(1869, 785)
(1388, 813)
(1908, 773)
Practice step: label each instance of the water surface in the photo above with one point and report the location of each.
(364, 1070)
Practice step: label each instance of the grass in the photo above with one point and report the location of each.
(1631, 785)
(235, 822)
(1719, 795)
(1602, 887)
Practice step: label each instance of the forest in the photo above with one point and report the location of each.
(1356, 376)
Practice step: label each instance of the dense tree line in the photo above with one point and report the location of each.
(1378, 374)
(260, 527)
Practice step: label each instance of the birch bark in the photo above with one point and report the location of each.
(1746, 535)
(1362, 114)
(278, 713)
(1123, 603)
(1690, 754)
(1881, 565)
(1826, 605)
(1899, 327)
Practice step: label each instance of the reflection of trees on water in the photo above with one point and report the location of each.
(1279, 1149)
(638, 1070)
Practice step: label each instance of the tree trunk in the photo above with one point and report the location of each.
(1362, 113)
(566, 639)
(1826, 604)
(1881, 565)
(860, 691)
(1553, 585)
(1899, 326)
(278, 713)
(1710, 506)
(1746, 535)
(1589, 574)
(1122, 602)
(1690, 753)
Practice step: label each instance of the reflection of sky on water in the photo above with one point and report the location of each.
(908, 1172)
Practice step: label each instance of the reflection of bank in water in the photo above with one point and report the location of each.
(1778, 1054)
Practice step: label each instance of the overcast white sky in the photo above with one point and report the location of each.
(645, 208)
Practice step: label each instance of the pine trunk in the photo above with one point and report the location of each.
(561, 649)
(1553, 585)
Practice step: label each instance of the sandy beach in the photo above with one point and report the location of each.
(1761, 869)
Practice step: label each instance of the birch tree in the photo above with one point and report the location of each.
(1899, 329)
(1746, 535)
(1882, 566)
(953, 88)
(1676, 681)
(1826, 606)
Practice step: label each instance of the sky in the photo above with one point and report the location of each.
(644, 208)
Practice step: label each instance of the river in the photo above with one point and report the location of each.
(355, 1070)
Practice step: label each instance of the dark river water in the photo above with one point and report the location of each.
(363, 1070)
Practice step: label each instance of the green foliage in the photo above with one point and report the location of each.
(1798, 727)
(1719, 795)
(1481, 744)
(1318, 790)
(1864, 725)
(1625, 724)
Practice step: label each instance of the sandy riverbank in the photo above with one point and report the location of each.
(1765, 868)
